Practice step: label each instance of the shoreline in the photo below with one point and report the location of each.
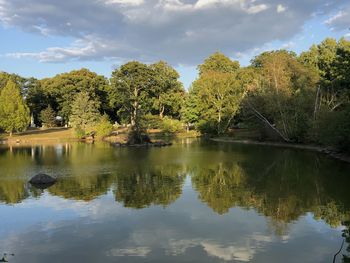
(325, 150)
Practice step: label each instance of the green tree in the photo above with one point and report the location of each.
(218, 92)
(62, 89)
(48, 117)
(14, 113)
(221, 96)
(131, 87)
(85, 113)
(218, 62)
(190, 111)
(104, 127)
(282, 95)
(167, 91)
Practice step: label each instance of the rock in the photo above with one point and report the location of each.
(42, 181)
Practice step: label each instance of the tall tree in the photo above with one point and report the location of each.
(167, 92)
(218, 62)
(218, 93)
(62, 89)
(221, 96)
(14, 113)
(131, 87)
(85, 112)
(283, 94)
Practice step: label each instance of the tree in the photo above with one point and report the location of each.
(48, 117)
(218, 62)
(218, 92)
(84, 113)
(104, 127)
(131, 86)
(190, 111)
(282, 96)
(62, 89)
(221, 96)
(14, 113)
(167, 91)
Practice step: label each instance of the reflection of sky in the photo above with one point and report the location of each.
(53, 229)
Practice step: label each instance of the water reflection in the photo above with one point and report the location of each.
(283, 188)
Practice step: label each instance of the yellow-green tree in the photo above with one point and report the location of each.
(14, 113)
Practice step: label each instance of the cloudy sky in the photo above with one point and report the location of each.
(44, 37)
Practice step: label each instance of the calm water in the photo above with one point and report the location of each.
(191, 202)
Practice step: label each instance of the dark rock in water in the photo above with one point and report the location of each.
(42, 181)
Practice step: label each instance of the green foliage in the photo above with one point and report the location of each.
(152, 121)
(281, 95)
(333, 128)
(104, 127)
(190, 111)
(218, 62)
(219, 93)
(131, 86)
(48, 117)
(84, 113)
(167, 91)
(14, 113)
(62, 89)
(171, 125)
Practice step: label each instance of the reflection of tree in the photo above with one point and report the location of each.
(281, 186)
(84, 188)
(158, 186)
(221, 187)
(13, 191)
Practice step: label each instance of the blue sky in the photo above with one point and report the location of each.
(42, 38)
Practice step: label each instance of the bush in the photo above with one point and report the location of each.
(138, 137)
(333, 128)
(152, 121)
(171, 125)
(104, 127)
(207, 127)
(79, 132)
(48, 117)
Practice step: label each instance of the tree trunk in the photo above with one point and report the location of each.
(317, 102)
(261, 117)
(161, 111)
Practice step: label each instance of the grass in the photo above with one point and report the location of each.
(59, 134)
(50, 135)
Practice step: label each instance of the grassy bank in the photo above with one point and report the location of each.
(55, 135)
(40, 136)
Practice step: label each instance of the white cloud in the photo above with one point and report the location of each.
(336, 17)
(179, 31)
(125, 2)
(281, 8)
(341, 19)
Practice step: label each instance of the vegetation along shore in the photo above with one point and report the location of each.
(280, 97)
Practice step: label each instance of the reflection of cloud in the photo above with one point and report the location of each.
(132, 251)
(242, 251)
(178, 247)
(230, 252)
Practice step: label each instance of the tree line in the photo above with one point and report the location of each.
(281, 95)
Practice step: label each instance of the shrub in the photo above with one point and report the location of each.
(333, 128)
(171, 125)
(104, 127)
(79, 132)
(152, 121)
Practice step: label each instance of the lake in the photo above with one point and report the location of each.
(196, 201)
